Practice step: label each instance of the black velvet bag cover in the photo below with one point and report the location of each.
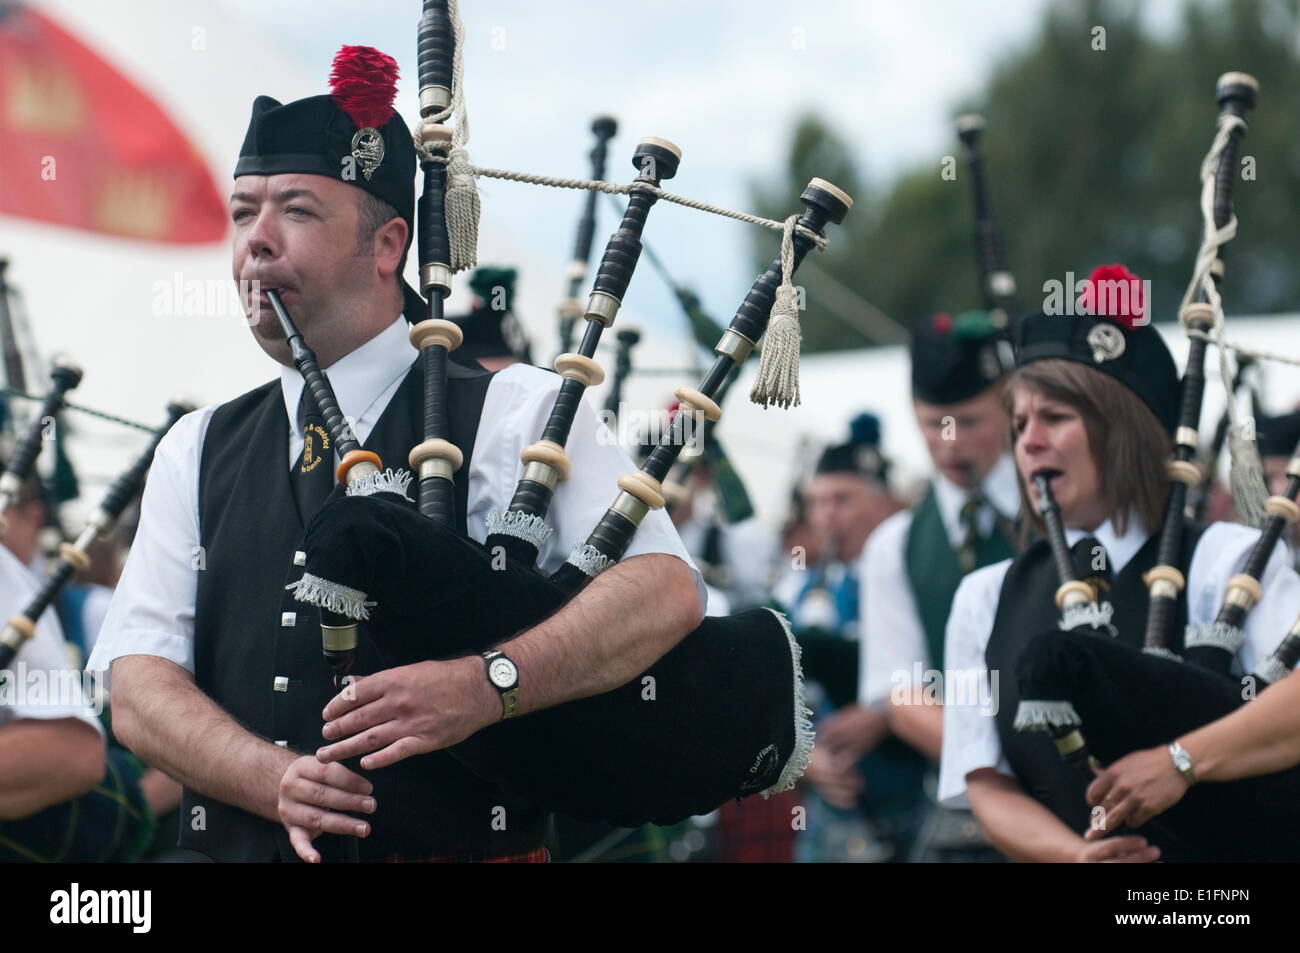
(720, 716)
(1128, 700)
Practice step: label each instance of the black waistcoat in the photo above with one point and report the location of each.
(257, 651)
(1026, 607)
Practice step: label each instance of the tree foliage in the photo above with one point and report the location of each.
(1092, 156)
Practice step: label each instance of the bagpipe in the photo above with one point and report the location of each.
(997, 283)
(63, 378)
(112, 822)
(726, 718)
(72, 556)
(570, 310)
(1100, 698)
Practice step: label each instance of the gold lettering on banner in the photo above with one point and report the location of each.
(44, 99)
(136, 204)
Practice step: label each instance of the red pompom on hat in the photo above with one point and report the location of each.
(1116, 293)
(363, 83)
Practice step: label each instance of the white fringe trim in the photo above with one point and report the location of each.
(1046, 716)
(1216, 635)
(1271, 670)
(1163, 653)
(590, 560)
(804, 735)
(390, 481)
(330, 595)
(531, 529)
(1094, 614)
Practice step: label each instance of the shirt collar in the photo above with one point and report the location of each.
(999, 488)
(358, 377)
(1119, 549)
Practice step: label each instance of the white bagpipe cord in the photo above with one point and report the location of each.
(777, 381)
(1246, 472)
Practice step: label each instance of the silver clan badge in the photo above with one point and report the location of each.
(368, 150)
(1106, 341)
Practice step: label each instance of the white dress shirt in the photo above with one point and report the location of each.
(894, 639)
(43, 681)
(153, 608)
(970, 737)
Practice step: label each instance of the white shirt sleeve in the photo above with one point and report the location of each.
(152, 612)
(893, 637)
(515, 411)
(970, 733)
(43, 681)
(1221, 553)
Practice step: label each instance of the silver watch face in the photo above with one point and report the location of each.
(502, 672)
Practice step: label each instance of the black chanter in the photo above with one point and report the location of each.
(996, 281)
(604, 128)
(63, 378)
(719, 716)
(72, 556)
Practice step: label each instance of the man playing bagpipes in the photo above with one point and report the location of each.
(913, 563)
(217, 675)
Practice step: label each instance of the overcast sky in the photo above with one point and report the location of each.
(724, 80)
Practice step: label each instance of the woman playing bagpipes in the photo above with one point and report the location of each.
(1094, 404)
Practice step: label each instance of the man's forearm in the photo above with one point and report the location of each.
(625, 620)
(921, 726)
(161, 715)
(46, 762)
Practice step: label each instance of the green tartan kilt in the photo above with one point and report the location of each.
(111, 823)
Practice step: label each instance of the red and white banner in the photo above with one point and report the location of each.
(83, 146)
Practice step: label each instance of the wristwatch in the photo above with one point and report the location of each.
(503, 675)
(1183, 762)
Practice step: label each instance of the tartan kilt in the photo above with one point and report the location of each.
(111, 823)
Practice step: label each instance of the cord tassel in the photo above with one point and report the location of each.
(777, 381)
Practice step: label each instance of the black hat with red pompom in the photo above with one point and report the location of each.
(1109, 331)
(352, 135)
(955, 359)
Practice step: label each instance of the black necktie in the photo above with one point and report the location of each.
(1092, 563)
(966, 555)
(313, 473)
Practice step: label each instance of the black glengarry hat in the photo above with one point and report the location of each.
(954, 359)
(860, 455)
(1110, 333)
(491, 328)
(353, 135)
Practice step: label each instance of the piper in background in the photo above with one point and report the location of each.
(913, 563)
(847, 497)
(493, 335)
